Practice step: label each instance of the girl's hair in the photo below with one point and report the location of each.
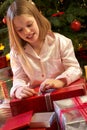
(19, 7)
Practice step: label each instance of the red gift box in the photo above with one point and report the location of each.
(30, 121)
(18, 122)
(44, 103)
(3, 62)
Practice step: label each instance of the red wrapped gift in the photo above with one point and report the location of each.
(30, 121)
(3, 62)
(72, 113)
(43, 103)
(18, 122)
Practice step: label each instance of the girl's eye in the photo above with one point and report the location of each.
(20, 30)
(29, 25)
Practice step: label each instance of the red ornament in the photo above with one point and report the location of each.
(57, 14)
(75, 25)
(4, 20)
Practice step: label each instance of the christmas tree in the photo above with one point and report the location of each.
(4, 40)
(67, 17)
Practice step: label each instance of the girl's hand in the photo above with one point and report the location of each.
(51, 84)
(24, 92)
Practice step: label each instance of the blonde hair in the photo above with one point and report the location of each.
(19, 7)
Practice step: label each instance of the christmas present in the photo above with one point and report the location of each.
(5, 86)
(5, 112)
(18, 122)
(54, 126)
(71, 113)
(42, 120)
(30, 121)
(44, 102)
(5, 73)
(3, 62)
(5, 82)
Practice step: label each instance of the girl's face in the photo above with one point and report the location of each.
(27, 28)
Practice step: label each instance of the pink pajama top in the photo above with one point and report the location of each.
(56, 60)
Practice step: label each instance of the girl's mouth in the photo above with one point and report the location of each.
(30, 36)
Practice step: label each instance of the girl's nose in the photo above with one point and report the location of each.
(26, 30)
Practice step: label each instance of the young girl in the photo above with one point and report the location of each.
(39, 57)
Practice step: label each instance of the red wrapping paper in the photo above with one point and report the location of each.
(82, 107)
(17, 122)
(3, 62)
(23, 122)
(44, 102)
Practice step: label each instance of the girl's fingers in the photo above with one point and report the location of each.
(49, 86)
(27, 92)
(24, 95)
(46, 86)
